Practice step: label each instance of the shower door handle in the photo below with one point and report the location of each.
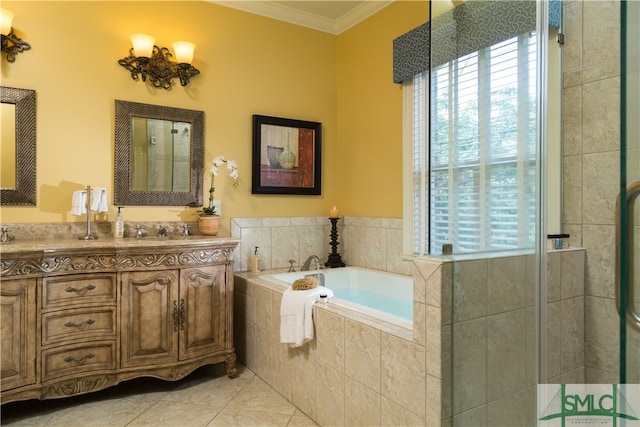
(633, 191)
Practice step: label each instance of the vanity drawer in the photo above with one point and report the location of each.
(79, 324)
(74, 359)
(76, 289)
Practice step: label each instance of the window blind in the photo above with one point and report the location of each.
(474, 178)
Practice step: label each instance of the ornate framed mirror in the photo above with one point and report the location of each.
(18, 144)
(159, 155)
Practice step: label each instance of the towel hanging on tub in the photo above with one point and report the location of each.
(296, 314)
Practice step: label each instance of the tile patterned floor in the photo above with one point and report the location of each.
(207, 397)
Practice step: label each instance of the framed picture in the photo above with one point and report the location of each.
(286, 156)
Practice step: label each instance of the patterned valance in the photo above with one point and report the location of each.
(467, 28)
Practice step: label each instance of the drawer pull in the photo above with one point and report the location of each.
(89, 287)
(82, 359)
(81, 324)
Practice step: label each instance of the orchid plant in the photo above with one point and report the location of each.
(219, 162)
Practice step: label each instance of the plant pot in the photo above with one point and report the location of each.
(209, 225)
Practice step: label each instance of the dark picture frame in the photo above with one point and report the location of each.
(286, 156)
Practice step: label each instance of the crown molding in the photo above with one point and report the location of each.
(306, 19)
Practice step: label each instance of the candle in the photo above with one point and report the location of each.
(333, 213)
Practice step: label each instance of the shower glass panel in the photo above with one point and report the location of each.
(629, 221)
(485, 137)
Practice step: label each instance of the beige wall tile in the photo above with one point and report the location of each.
(601, 41)
(571, 118)
(284, 245)
(573, 273)
(304, 382)
(506, 353)
(469, 365)
(362, 354)
(600, 184)
(572, 190)
(572, 333)
(600, 268)
(553, 331)
(554, 265)
(507, 280)
(601, 338)
(572, 52)
(469, 298)
(403, 373)
(362, 405)
(329, 339)
(392, 414)
(330, 396)
(601, 115)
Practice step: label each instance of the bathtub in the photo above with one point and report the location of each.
(379, 294)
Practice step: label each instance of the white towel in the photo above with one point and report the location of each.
(99, 200)
(296, 315)
(79, 202)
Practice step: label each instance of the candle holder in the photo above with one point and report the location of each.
(334, 257)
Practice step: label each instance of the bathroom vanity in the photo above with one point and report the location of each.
(80, 316)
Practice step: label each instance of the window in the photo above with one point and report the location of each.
(473, 180)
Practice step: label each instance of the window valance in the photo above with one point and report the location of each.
(467, 28)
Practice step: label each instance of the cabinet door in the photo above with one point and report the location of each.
(204, 318)
(18, 333)
(149, 318)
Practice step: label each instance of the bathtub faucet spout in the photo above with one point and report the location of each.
(307, 263)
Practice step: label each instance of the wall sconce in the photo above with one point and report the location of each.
(11, 44)
(146, 60)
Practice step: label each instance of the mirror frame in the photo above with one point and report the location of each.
(123, 194)
(25, 192)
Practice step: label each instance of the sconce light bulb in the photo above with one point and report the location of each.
(184, 52)
(142, 45)
(6, 20)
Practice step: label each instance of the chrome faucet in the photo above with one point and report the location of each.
(139, 232)
(307, 263)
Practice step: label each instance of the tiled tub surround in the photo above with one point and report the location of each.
(362, 371)
(367, 242)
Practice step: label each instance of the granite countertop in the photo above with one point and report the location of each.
(43, 245)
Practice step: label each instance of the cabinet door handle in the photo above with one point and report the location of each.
(175, 316)
(89, 287)
(82, 359)
(81, 324)
(182, 314)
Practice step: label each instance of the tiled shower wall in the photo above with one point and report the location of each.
(591, 168)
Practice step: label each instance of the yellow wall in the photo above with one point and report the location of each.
(370, 112)
(249, 65)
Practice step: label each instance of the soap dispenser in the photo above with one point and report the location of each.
(118, 229)
(255, 261)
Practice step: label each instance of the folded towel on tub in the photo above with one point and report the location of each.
(296, 314)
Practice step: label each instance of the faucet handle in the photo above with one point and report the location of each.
(5, 235)
(291, 268)
(185, 229)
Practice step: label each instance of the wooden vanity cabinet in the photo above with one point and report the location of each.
(173, 315)
(80, 320)
(18, 329)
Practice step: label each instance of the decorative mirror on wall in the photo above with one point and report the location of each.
(159, 155)
(18, 146)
